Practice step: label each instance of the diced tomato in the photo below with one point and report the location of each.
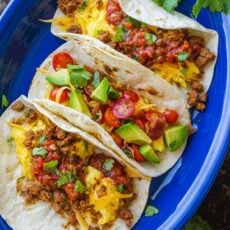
(136, 154)
(37, 163)
(158, 129)
(171, 116)
(117, 139)
(140, 122)
(123, 108)
(52, 156)
(185, 46)
(64, 96)
(61, 60)
(128, 94)
(110, 119)
(69, 189)
(114, 14)
(48, 143)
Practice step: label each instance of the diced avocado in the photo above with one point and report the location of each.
(101, 92)
(61, 77)
(149, 154)
(175, 136)
(132, 133)
(77, 102)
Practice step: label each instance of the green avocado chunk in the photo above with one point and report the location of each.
(77, 102)
(60, 78)
(101, 92)
(132, 133)
(148, 153)
(175, 136)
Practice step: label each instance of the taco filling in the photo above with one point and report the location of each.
(86, 186)
(175, 55)
(141, 129)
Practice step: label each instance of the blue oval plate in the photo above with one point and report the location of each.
(25, 42)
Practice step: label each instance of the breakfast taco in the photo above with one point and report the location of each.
(55, 175)
(139, 116)
(173, 46)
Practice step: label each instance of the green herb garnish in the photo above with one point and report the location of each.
(183, 56)
(66, 177)
(78, 76)
(108, 164)
(96, 79)
(5, 101)
(41, 139)
(50, 166)
(121, 188)
(184, 71)
(119, 34)
(80, 187)
(150, 38)
(113, 93)
(151, 210)
(39, 151)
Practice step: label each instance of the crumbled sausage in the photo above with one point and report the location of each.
(204, 57)
(72, 217)
(200, 106)
(192, 97)
(34, 190)
(59, 197)
(69, 6)
(124, 213)
(203, 97)
(60, 134)
(196, 40)
(30, 115)
(197, 86)
(93, 228)
(105, 36)
(57, 207)
(18, 106)
(49, 131)
(29, 139)
(101, 192)
(74, 29)
(45, 196)
(68, 140)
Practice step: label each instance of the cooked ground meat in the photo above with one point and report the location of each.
(197, 100)
(200, 106)
(29, 140)
(74, 29)
(93, 228)
(203, 97)
(60, 134)
(105, 37)
(57, 207)
(196, 85)
(69, 6)
(59, 197)
(99, 4)
(30, 115)
(102, 191)
(18, 106)
(45, 195)
(49, 131)
(68, 140)
(34, 190)
(124, 213)
(204, 57)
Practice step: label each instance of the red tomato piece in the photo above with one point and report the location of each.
(117, 139)
(37, 163)
(64, 96)
(140, 122)
(128, 94)
(52, 156)
(123, 108)
(69, 189)
(110, 119)
(171, 116)
(136, 154)
(61, 60)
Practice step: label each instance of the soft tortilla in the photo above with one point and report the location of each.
(125, 72)
(150, 13)
(40, 215)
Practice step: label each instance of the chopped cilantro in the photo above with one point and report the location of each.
(183, 56)
(150, 38)
(80, 187)
(41, 140)
(9, 140)
(120, 188)
(66, 177)
(108, 164)
(78, 76)
(184, 71)
(5, 101)
(50, 166)
(151, 210)
(39, 151)
(96, 79)
(119, 34)
(113, 93)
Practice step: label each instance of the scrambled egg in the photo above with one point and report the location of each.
(108, 204)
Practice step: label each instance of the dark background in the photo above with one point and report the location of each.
(215, 209)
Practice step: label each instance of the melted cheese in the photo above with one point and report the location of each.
(108, 204)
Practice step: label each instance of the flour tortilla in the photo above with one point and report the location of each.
(150, 13)
(40, 215)
(125, 72)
